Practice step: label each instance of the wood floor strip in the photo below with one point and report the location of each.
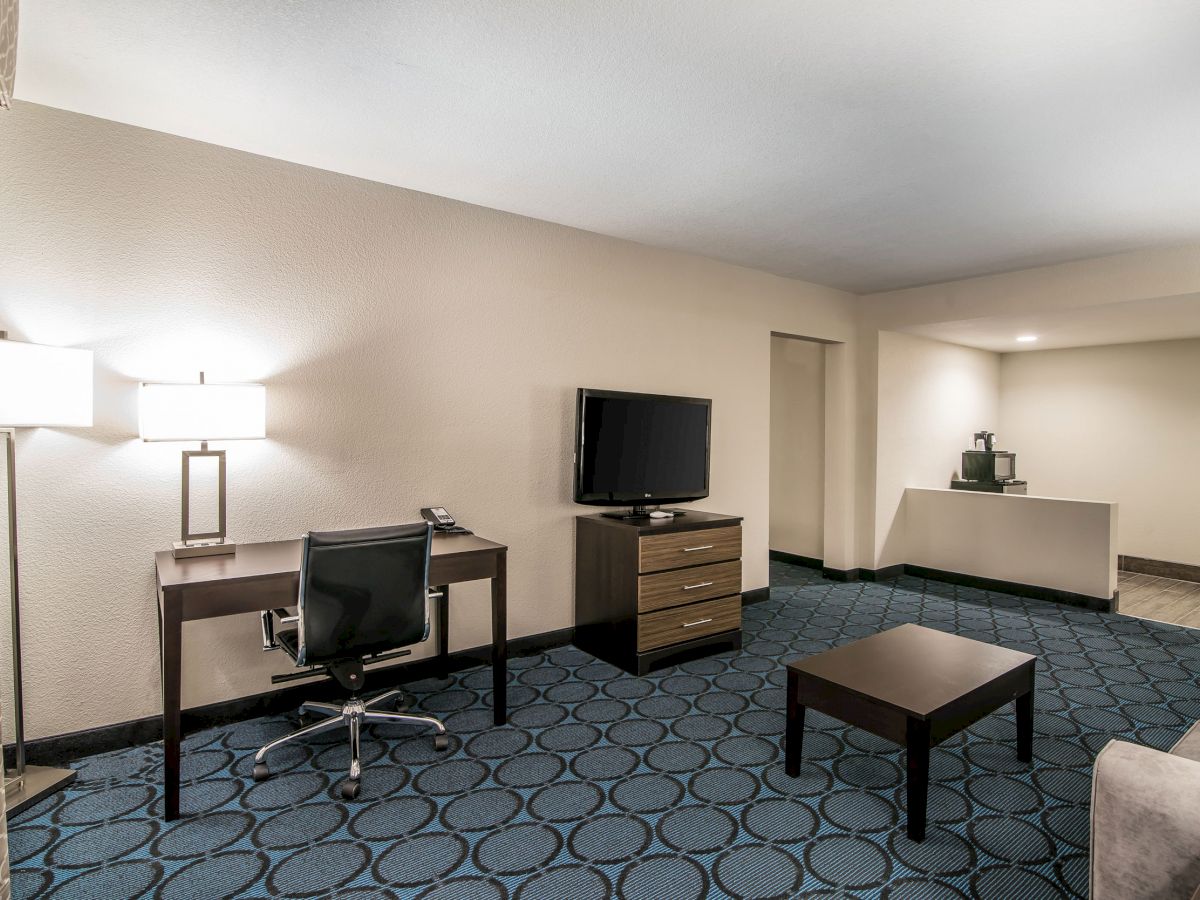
(1161, 599)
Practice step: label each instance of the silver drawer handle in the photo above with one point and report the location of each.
(693, 549)
(692, 587)
(700, 622)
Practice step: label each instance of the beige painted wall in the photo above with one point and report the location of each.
(1065, 544)
(932, 397)
(842, 441)
(415, 350)
(1117, 278)
(1118, 422)
(1140, 275)
(797, 446)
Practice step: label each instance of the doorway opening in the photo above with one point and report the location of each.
(797, 453)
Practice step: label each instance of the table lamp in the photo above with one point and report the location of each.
(50, 386)
(202, 412)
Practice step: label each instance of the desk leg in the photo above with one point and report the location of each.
(171, 661)
(500, 639)
(443, 617)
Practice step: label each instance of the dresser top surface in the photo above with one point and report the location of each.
(690, 520)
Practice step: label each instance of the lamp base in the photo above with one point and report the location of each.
(185, 549)
(35, 783)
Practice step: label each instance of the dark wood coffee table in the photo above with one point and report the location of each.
(914, 686)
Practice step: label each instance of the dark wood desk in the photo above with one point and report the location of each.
(267, 576)
(915, 686)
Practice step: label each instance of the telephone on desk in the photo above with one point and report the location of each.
(442, 521)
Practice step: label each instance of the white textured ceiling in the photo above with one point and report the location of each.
(868, 145)
(1128, 322)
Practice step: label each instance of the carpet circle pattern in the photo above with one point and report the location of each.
(668, 787)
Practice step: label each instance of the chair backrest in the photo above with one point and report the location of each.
(363, 591)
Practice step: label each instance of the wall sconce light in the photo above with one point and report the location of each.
(202, 412)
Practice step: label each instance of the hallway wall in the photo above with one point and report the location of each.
(797, 446)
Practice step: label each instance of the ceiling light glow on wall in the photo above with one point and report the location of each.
(1026, 338)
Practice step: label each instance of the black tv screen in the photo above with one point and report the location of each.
(640, 449)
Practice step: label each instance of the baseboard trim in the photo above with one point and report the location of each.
(887, 573)
(855, 574)
(756, 595)
(841, 574)
(809, 562)
(62, 749)
(1032, 591)
(1160, 568)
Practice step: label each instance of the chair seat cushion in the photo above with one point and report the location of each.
(1188, 746)
(290, 642)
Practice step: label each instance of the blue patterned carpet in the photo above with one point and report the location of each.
(665, 787)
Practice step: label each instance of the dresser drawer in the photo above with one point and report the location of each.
(663, 590)
(657, 552)
(682, 623)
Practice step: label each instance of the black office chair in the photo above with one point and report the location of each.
(363, 594)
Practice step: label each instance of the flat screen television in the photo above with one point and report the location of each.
(640, 450)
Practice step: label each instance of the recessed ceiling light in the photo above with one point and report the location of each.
(1027, 339)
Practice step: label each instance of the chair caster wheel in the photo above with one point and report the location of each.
(349, 789)
(261, 772)
(441, 742)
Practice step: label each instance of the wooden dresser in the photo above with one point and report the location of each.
(650, 589)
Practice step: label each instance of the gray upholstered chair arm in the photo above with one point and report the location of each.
(1145, 824)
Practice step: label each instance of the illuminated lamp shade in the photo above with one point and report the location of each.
(202, 412)
(39, 385)
(42, 385)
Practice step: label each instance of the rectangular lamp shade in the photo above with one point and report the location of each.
(202, 412)
(42, 385)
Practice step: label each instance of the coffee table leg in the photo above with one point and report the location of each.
(794, 738)
(1024, 705)
(918, 777)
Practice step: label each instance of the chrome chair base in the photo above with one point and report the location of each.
(354, 713)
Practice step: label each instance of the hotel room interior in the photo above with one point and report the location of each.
(567, 450)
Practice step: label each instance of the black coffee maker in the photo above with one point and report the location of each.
(987, 469)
